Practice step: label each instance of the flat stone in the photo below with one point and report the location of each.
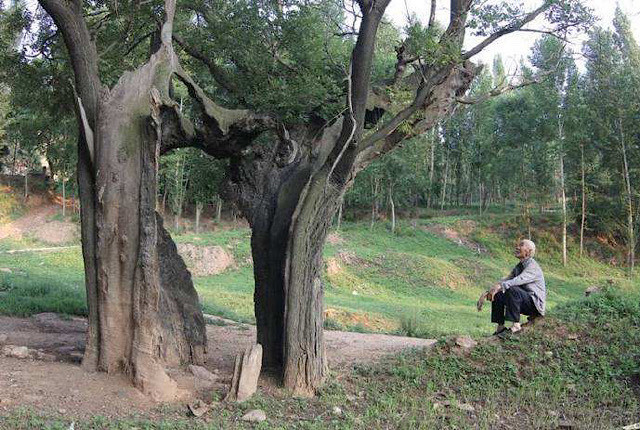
(246, 372)
(336, 410)
(3, 338)
(202, 374)
(16, 351)
(43, 356)
(199, 408)
(466, 407)
(593, 289)
(254, 416)
(465, 342)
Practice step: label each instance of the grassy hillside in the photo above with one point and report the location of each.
(421, 281)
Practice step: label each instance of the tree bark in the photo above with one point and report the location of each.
(564, 212)
(198, 213)
(143, 310)
(631, 257)
(584, 199)
(393, 210)
(64, 197)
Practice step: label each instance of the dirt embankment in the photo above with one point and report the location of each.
(458, 234)
(206, 260)
(38, 223)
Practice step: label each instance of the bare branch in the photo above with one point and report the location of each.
(505, 87)
(505, 30)
(501, 89)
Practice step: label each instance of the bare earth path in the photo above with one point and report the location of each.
(55, 382)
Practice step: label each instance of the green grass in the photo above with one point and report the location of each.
(414, 282)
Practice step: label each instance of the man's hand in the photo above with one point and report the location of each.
(481, 300)
(493, 291)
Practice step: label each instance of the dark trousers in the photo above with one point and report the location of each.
(510, 304)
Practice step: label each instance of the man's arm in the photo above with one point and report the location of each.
(528, 275)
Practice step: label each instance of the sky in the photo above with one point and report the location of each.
(516, 46)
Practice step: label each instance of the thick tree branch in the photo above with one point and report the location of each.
(223, 133)
(69, 19)
(506, 30)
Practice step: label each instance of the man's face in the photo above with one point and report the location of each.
(521, 250)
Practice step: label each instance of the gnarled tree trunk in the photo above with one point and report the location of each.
(143, 310)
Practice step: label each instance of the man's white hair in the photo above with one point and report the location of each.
(530, 246)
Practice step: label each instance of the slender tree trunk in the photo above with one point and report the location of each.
(564, 212)
(431, 167)
(64, 197)
(443, 194)
(374, 203)
(198, 213)
(219, 210)
(631, 258)
(393, 210)
(339, 215)
(584, 199)
(26, 184)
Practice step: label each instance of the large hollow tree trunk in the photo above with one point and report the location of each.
(149, 315)
(144, 313)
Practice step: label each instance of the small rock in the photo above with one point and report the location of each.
(199, 408)
(245, 374)
(3, 338)
(336, 410)
(5, 270)
(465, 342)
(442, 404)
(565, 425)
(572, 337)
(43, 356)
(548, 354)
(254, 416)
(354, 292)
(62, 411)
(635, 426)
(591, 290)
(466, 407)
(201, 373)
(351, 398)
(15, 351)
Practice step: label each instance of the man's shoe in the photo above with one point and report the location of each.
(500, 330)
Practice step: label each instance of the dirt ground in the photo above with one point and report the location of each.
(54, 382)
(37, 223)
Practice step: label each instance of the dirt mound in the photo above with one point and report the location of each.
(36, 223)
(361, 319)
(65, 389)
(334, 264)
(205, 260)
(334, 239)
(458, 234)
(56, 232)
